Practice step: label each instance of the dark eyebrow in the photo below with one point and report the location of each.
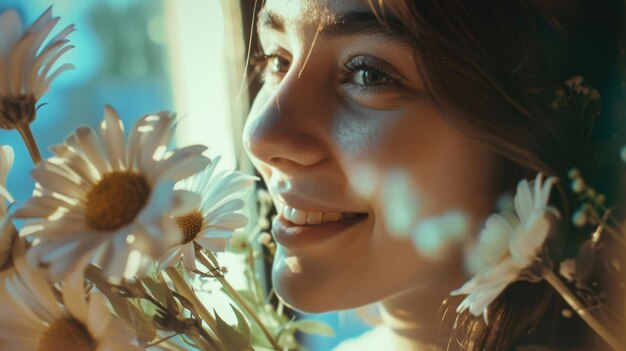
(350, 23)
(354, 23)
(270, 20)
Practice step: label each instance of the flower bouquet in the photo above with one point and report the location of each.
(121, 232)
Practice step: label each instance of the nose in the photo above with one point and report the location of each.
(285, 127)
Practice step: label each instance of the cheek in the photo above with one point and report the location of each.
(444, 168)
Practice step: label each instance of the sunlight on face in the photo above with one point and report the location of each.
(342, 94)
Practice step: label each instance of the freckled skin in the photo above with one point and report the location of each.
(308, 126)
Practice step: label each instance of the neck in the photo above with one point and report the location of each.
(416, 316)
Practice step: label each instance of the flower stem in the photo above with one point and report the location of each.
(616, 235)
(235, 295)
(581, 310)
(183, 288)
(162, 340)
(29, 140)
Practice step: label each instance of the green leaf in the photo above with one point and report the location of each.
(119, 303)
(242, 324)
(230, 337)
(312, 327)
(187, 304)
(146, 331)
(189, 340)
(155, 288)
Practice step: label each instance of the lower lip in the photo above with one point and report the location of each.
(291, 235)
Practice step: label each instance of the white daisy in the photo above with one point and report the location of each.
(7, 230)
(110, 201)
(510, 244)
(33, 319)
(26, 64)
(217, 216)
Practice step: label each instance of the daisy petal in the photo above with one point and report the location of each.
(523, 200)
(112, 133)
(11, 29)
(74, 295)
(92, 147)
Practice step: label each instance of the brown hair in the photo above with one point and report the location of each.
(492, 67)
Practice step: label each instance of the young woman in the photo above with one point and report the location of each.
(456, 94)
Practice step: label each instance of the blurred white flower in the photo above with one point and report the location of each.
(26, 64)
(510, 245)
(434, 236)
(7, 230)
(103, 200)
(217, 216)
(32, 318)
(363, 179)
(400, 201)
(391, 188)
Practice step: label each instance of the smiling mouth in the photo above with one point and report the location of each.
(295, 228)
(311, 218)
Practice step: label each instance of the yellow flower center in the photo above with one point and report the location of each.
(116, 200)
(190, 224)
(66, 334)
(17, 110)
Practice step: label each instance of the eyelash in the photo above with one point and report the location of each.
(260, 61)
(363, 63)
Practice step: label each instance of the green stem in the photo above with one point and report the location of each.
(172, 346)
(581, 310)
(616, 235)
(255, 286)
(163, 341)
(183, 288)
(235, 296)
(29, 140)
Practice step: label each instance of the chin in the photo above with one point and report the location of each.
(313, 286)
(300, 292)
(318, 286)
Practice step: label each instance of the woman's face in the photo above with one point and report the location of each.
(341, 93)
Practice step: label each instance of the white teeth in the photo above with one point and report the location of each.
(301, 217)
(298, 216)
(331, 217)
(314, 218)
(287, 213)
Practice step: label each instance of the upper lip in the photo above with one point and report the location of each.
(314, 205)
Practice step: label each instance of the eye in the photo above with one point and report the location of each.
(271, 67)
(373, 83)
(367, 71)
(277, 64)
(368, 76)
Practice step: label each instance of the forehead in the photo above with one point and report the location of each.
(301, 13)
(332, 18)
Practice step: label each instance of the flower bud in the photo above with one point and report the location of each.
(578, 185)
(574, 173)
(579, 218)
